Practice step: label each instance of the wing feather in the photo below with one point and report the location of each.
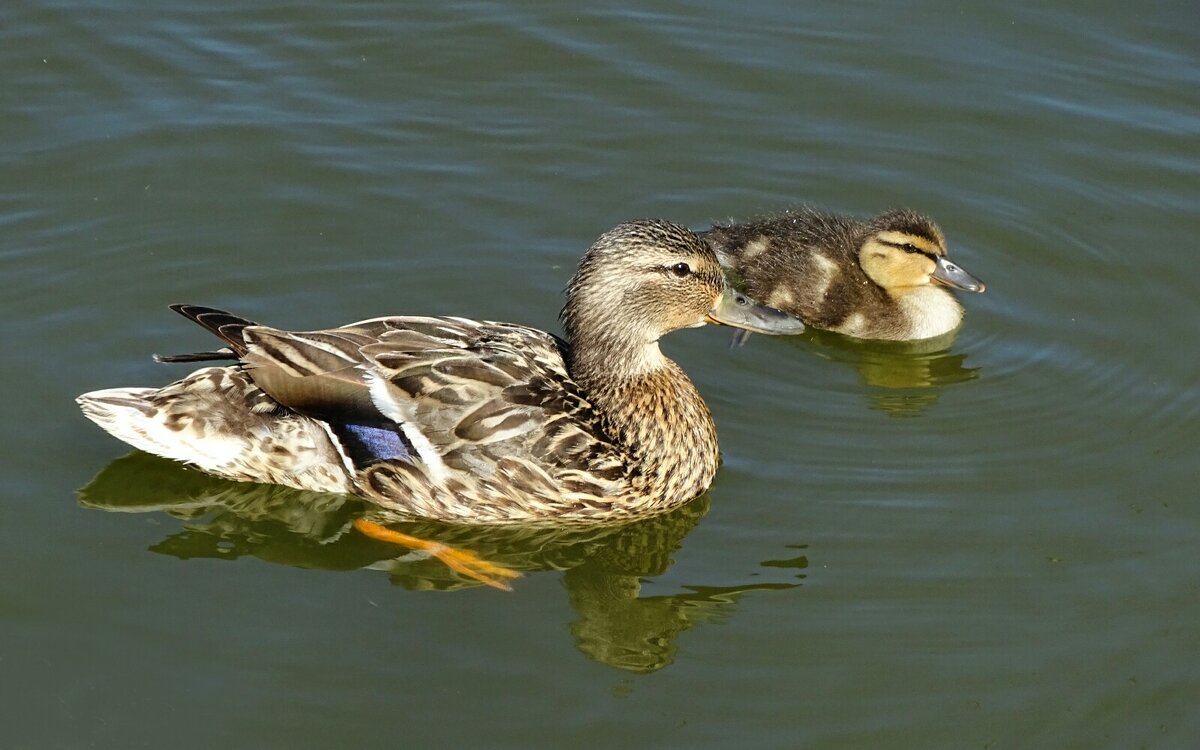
(484, 398)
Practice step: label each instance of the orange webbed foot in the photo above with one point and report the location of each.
(459, 560)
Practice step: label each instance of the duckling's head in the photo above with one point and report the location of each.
(903, 250)
(644, 279)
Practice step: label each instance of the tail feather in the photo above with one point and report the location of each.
(131, 415)
(217, 420)
(219, 354)
(225, 326)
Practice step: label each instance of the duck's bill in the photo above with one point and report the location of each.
(737, 310)
(953, 276)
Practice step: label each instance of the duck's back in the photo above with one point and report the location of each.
(499, 429)
(438, 417)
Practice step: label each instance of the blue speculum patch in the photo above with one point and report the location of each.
(368, 443)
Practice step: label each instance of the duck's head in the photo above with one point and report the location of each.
(903, 249)
(644, 279)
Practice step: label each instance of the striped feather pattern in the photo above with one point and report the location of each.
(496, 426)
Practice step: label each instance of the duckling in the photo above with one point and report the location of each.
(879, 278)
(462, 420)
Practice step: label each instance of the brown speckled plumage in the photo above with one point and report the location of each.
(501, 422)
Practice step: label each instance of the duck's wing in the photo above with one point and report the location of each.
(319, 373)
(470, 397)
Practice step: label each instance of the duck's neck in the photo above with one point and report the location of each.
(651, 408)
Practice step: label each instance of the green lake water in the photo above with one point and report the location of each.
(987, 542)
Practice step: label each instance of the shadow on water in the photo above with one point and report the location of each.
(903, 378)
(603, 567)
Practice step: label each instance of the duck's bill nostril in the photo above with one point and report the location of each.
(953, 275)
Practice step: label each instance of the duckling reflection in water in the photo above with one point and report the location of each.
(885, 277)
(901, 378)
(462, 420)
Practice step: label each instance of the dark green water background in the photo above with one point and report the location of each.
(989, 543)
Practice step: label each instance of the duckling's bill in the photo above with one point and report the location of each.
(736, 309)
(952, 275)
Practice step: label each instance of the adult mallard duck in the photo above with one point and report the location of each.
(462, 420)
(885, 277)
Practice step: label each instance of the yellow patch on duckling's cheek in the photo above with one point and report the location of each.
(923, 271)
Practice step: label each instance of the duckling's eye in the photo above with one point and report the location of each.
(680, 269)
(909, 247)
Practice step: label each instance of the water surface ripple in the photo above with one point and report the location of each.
(986, 540)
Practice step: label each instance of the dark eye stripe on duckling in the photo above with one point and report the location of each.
(908, 247)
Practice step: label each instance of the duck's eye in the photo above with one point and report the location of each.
(909, 247)
(680, 269)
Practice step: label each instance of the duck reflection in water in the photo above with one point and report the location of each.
(902, 378)
(604, 566)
